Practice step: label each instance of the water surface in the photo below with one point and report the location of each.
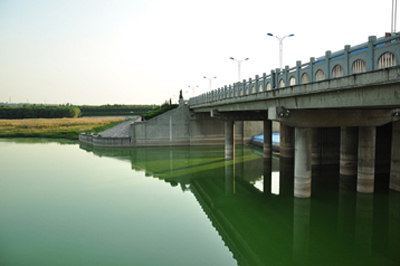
(67, 204)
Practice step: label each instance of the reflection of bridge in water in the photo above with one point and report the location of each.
(264, 228)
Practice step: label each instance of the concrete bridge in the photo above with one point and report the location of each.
(346, 102)
(341, 108)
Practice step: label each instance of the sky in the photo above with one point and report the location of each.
(98, 52)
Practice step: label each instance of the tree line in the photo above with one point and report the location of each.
(38, 111)
(60, 111)
(116, 109)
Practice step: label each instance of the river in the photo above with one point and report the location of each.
(62, 203)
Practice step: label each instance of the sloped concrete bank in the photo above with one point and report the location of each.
(176, 127)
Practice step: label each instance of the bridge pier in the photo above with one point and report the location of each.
(286, 148)
(348, 157)
(229, 140)
(302, 162)
(366, 159)
(395, 160)
(316, 158)
(267, 149)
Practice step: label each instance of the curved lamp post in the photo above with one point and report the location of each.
(239, 61)
(210, 79)
(280, 39)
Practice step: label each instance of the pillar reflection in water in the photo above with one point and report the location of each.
(271, 177)
(275, 183)
(230, 177)
(346, 216)
(363, 229)
(267, 175)
(301, 230)
(394, 226)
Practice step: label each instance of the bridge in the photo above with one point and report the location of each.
(354, 92)
(341, 108)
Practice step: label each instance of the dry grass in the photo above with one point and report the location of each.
(43, 126)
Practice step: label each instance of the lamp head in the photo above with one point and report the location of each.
(270, 34)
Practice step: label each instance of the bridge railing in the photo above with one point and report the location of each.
(372, 55)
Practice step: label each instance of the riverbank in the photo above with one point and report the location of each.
(66, 128)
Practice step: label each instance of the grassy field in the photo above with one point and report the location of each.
(67, 128)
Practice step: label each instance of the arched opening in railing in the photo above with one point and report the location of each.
(240, 92)
(359, 66)
(292, 81)
(247, 91)
(319, 75)
(253, 89)
(260, 88)
(305, 78)
(281, 83)
(337, 72)
(268, 86)
(387, 60)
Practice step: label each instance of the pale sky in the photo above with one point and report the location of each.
(145, 51)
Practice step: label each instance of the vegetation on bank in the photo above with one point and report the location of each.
(39, 111)
(164, 108)
(65, 128)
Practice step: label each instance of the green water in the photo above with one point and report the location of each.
(62, 203)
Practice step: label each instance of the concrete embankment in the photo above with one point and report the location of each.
(176, 127)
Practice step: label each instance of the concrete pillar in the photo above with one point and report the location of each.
(366, 159)
(395, 159)
(229, 140)
(286, 180)
(316, 146)
(348, 157)
(302, 162)
(267, 139)
(286, 148)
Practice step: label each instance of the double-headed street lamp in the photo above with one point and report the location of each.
(193, 89)
(239, 61)
(280, 39)
(210, 79)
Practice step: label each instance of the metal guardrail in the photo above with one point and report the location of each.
(372, 55)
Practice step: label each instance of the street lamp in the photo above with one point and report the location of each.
(239, 61)
(280, 39)
(210, 79)
(193, 89)
(394, 15)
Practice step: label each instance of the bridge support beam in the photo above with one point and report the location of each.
(267, 139)
(286, 148)
(366, 159)
(302, 162)
(348, 157)
(229, 140)
(395, 160)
